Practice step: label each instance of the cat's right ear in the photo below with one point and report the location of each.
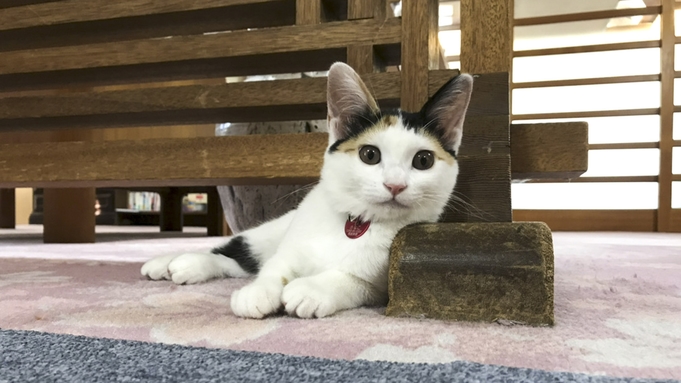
(347, 97)
(445, 111)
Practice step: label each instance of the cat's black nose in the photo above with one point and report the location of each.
(395, 189)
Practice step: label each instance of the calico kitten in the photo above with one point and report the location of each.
(382, 170)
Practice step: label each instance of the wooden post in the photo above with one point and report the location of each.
(666, 117)
(486, 48)
(7, 209)
(486, 36)
(308, 12)
(420, 51)
(360, 9)
(69, 215)
(362, 57)
(171, 210)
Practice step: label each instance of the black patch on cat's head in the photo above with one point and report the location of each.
(419, 122)
(356, 124)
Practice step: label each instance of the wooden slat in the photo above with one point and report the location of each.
(596, 179)
(258, 93)
(584, 16)
(238, 43)
(203, 161)
(676, 177)
(286, 62)
(588, 48)
(153, 25)
(194, 161)
(107, 134)
(587, 81)
(625, 145)
(554, 150)
(19, 3)
(251, 101)
(591, 220)
(486, 36)
(666, 116)
(70, 11)
(597, 113)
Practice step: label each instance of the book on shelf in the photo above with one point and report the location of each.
(144, 201)
(151, 202)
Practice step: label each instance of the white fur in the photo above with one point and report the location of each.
(309, 267)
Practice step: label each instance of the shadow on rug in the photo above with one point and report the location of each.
(617, 301)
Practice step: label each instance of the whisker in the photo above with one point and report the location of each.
(304, 187)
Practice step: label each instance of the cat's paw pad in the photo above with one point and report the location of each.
(304, 299)
(193, 268)
(157, 268)
(257, 300)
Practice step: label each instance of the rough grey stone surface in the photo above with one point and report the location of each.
(41, 357)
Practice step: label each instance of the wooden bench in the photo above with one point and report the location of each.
(85, 65)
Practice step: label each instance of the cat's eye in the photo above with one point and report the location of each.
(423, 160)
(370, 155)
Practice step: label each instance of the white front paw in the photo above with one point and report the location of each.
(157, 268)
(305, 299)
(257, 300)
(193, 268)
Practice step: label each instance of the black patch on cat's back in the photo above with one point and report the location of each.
(239, 250)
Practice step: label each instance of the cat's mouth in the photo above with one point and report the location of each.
(394, 203)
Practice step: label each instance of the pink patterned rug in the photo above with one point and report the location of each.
(617, 299)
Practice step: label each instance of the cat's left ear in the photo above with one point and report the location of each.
(445, 111)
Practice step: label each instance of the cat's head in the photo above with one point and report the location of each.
(387, 165)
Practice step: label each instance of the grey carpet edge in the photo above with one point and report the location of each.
(27, 356)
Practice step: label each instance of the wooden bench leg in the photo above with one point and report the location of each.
(215, 216)
(7, 209)
(171, 210)
(69, 215)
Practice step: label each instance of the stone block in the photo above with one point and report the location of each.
(473, 272)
